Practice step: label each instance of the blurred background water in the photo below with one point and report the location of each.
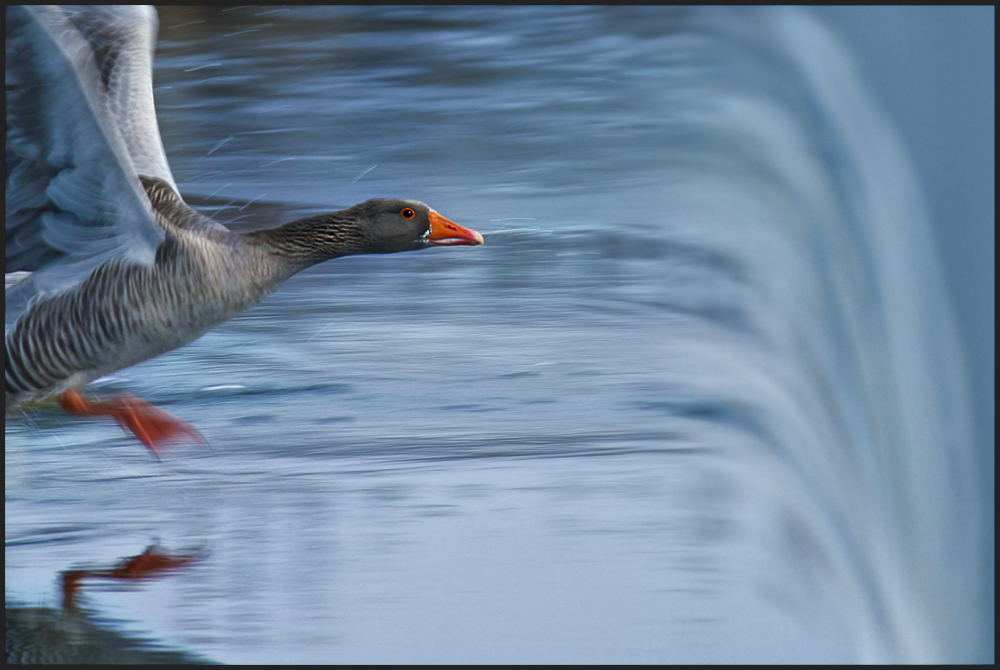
(700, 397)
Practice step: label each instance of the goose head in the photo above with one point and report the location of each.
(390, 225)
(378, 226)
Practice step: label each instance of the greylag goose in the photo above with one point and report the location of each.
(106, 265)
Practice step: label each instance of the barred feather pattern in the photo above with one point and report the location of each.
(125, 312)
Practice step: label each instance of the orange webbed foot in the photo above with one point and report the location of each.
(154, 427)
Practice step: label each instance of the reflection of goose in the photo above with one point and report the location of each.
(121, 268)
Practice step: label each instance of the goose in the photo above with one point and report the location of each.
(106, 265)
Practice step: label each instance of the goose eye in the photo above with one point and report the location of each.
(408, 213)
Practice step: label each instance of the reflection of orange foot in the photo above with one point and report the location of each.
(154, 562)
(154, 427)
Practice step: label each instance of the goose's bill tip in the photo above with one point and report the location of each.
(448, 233)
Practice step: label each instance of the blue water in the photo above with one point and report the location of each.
(698, 398)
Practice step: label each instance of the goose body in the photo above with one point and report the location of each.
(106, 265)
(125, 312)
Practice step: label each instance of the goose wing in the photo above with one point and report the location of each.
(80, 129)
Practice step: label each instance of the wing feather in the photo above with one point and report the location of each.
(80, 129)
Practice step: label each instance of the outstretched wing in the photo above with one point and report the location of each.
(80, 129)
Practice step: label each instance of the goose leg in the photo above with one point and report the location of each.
(154, 427)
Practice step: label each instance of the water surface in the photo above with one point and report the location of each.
(691, 401)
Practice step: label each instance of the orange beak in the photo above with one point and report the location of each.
(447, 233)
